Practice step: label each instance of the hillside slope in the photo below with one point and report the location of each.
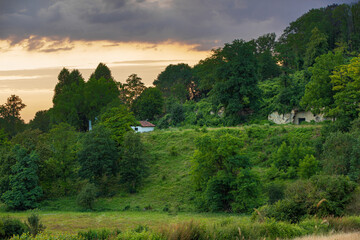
(169, 186)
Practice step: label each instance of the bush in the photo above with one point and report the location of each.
(186, 231)
(87, 196)
(10, 227)
(308, 166)
(131, 235)
(34, 225)
(102, 234)
(341, 155)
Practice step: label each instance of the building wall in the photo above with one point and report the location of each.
(308, 116)
(142, 129)
(295, 117)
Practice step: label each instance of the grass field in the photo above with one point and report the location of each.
(338, 236)
(73, 222)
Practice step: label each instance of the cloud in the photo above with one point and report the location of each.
(205, 23)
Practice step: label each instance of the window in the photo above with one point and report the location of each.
(301, 120)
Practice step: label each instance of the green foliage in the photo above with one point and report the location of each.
(346, 84)
(283, 94)
(268, 67)
(176, 81)
(321, 195)
(10, 227)
(24, 190)
(27, 139)
(34, 225)
(300, 43)
(102, 71)
(41, 121)
(7, 160)
(177, 114)
(132, 163)
(98, 155)
(58, 153)
(308, 166)
(98, 93)
(77, 102)
(10, 119)
(69, 102)
(287, 158)
(316, 46)
(201, 113)
(341, 154)
(87, 196)
(149, 105)
(222, 174)
(185, 230)
(118, 120)
(131, 90)
(236, 80)
(319, 93)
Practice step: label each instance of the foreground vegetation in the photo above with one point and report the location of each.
(154, 225)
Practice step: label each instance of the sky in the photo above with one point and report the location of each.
(40, 37)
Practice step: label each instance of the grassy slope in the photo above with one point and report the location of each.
(168, 184)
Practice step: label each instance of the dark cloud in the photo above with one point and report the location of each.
(205, 23)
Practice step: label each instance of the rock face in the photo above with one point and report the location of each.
(295, 117)
(281, 118)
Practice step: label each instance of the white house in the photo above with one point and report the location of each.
(145, 126)
(295, 117)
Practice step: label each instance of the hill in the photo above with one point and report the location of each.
(169, 186)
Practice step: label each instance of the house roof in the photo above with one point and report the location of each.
(146, 124)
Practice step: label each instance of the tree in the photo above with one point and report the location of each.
(118, 120)
(132, 89)
(27, 139)
(98, 93)
(98, 155)
(317, 46)
(341, 155)
(132, 164)
(59, 164)
(346, 85)
(268, 67)
(319, 93)
(10, 119)
(308, 167)
(24, 190)
(69, 103)
(236, 81)
(63, 80)
(149, 104)
(41, 121)
(177, 81)
(204, 73)
(222, 175)
(102, 71)
(87, 196)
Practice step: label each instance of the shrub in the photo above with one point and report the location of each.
(308, 166)
(341, 154)
(24, 190)
(34, 225)
(10, 227)
(102, 234)
(87, 196)
(185, 231)
(131, 235)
